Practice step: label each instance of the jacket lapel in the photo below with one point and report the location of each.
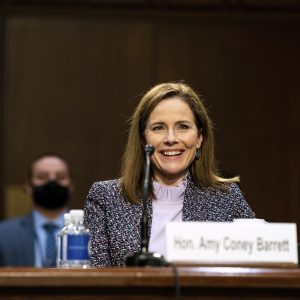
(194, 198)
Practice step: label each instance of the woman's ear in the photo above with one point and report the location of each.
(200, 140)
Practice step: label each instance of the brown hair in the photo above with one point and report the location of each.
(204, 171)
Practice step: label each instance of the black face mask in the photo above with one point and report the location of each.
(51, 195)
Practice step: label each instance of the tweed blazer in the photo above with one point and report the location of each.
(115, 223)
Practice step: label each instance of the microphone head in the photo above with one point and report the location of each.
(149, 149)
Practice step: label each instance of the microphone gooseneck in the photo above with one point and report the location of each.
(149, 149)
(144, 257)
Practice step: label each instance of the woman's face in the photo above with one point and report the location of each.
(172, 130)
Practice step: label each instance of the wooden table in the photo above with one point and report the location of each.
(200, 282)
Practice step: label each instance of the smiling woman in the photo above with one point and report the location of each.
(172, 130)
(185, 186)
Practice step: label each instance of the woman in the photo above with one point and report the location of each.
(186, 185)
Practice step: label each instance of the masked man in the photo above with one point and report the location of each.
(31, 240)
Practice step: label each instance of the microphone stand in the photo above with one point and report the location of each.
(144, 257)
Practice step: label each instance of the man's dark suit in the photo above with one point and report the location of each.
(17, 242)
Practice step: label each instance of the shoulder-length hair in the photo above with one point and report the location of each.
(203, 171)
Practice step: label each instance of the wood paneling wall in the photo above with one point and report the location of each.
(1, 112)
(71, 82)
(71, 85)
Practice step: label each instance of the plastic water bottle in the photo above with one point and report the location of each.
(75, 243)
(67, 222)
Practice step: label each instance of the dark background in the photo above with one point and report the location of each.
(71, 72)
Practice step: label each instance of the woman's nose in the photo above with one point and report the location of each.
(170, 137)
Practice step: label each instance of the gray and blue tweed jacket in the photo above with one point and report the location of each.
(115, 223)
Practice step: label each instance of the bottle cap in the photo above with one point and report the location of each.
(76, 213)
(67, 218)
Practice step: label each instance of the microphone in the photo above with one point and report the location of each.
(144, 257)
(149, 149)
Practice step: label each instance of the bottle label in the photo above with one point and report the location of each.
(78, 247)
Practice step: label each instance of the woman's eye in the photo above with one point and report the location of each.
(156, 128)
(183, 127)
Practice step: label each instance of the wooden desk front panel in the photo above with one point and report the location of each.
(149, 283)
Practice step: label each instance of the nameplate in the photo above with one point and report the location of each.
(231, 242)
